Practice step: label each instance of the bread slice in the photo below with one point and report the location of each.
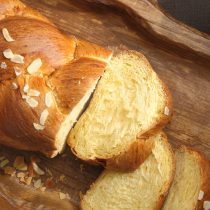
(143, 189)
(191, 186)
(129, 101)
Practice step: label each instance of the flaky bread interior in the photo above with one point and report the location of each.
(129, 100)
(143, 189)
(187, 184)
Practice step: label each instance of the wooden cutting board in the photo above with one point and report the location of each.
(179, 54)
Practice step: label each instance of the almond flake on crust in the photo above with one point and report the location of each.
(17, 71)
(48, 99)
(14, 86)
(7, 36)
(3, 65)
(44, 116)
(166, 111)
(8, 53)
(34, 66)
(38, 183)
(33, 92)
(38, 126)
(17, 59)
(31, 102)
(206, 205)
(201, 195)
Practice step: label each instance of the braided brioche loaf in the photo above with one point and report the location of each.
(46, 78)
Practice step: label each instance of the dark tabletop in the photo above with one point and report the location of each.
(195, 13)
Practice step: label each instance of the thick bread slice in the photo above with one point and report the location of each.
(191, 186)
(143, 189)
(129, 101)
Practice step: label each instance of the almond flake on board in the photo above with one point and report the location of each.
(9, 170)
(38, 126)
(37, 169)
(8, 53)
(7, 35)
(17, 59)
(62, 195)
(34, 66)
(38, 183)
(20, 164)
(4, 163)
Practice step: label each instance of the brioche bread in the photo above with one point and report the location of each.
(129, 101)
(190, 189)
(143, 189)
(46, 78)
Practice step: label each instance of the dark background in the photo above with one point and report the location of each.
(195, 13)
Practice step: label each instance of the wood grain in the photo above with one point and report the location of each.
(179, 54)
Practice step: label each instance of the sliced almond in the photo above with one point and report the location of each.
(14, 86)
(166, 111)
(7, 36)
(9, 170)
(201, 195)
(3, 65)
(33, 92)
(48, 171)
(62, 177)
(4, 163)
(17, 71)
(32, 102)
(38, 183)
(37, 169)
(8, 53)
(17, 59)
(34, 66)
(44, 116)
(20, 175)
(20, 164)
(26, 88)
(28, 180)
(38, 126)
(43, 189)
(48, 99)
(206, 205)
(62, 195)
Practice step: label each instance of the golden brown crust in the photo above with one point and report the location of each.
(63, 65)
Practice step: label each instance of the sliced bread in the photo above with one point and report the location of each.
(191, 186)
(129, 101)
(143, 189)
